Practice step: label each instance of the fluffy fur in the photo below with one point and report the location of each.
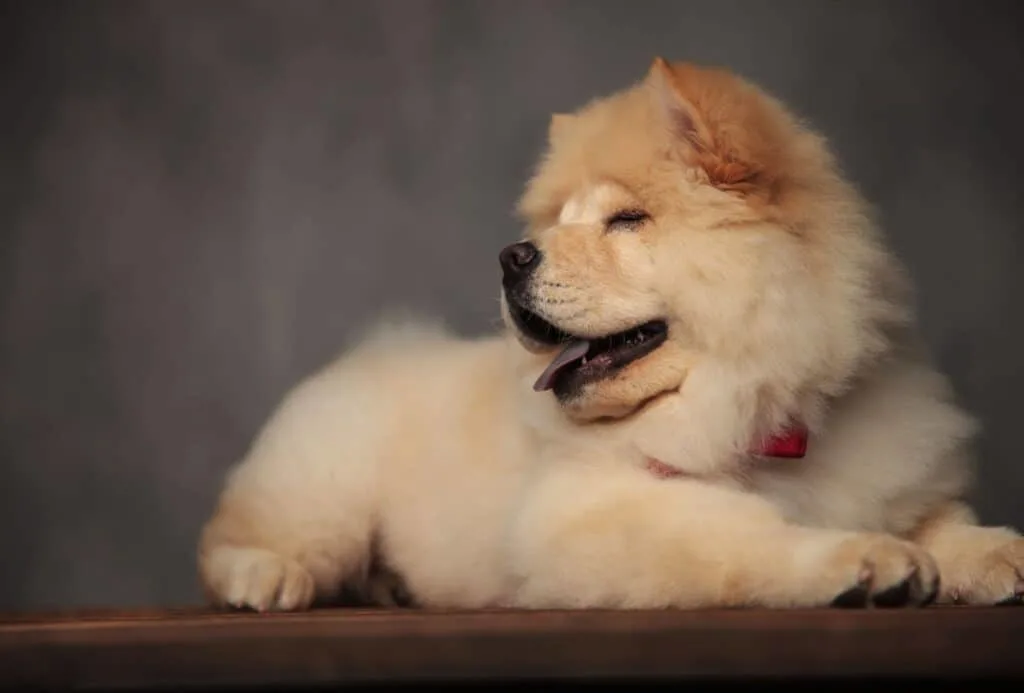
(431, 458)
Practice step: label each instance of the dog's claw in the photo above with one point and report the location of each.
(897, 595)
(854, 598)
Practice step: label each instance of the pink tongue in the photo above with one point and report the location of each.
(573, 351)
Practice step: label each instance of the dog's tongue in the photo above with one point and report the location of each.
(573, 351)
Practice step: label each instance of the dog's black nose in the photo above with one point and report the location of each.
(518, 259)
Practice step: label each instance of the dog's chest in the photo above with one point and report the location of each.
(809, 493)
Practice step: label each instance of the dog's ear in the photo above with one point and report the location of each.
(558, 123)
(682, 117)
(705, 112)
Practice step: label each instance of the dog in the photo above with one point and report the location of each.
(708, 391)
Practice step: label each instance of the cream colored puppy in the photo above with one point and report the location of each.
(698, 288)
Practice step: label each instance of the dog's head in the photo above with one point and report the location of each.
(687, 217)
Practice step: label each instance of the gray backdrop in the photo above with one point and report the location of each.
(200, 200)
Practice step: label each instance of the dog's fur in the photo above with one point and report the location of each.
(432, 455)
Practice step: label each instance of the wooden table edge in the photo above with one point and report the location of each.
(330, 646)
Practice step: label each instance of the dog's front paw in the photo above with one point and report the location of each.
(986, 576)
(877, 570)
(257, 579)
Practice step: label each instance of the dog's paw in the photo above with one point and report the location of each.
(986, 577)
(258, 579)
(877, 570)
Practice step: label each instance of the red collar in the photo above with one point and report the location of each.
(791, 443)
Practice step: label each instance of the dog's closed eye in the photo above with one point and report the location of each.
(626, 220)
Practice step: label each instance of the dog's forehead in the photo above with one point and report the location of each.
(590, 204)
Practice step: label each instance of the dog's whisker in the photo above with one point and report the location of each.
(558, 302)
(570, 316)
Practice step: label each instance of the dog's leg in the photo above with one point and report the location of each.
(619, 539)
(978, 565)
(294, 519)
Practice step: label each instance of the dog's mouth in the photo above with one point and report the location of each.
(585, 359)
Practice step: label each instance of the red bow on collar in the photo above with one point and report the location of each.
(791, 443)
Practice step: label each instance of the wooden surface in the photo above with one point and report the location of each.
(172, 649)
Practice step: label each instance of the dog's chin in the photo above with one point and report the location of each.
(579, 368)
(530, 345)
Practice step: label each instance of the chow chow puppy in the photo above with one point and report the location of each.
(709, 394)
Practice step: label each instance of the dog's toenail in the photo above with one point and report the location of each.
(897, 595)
(853, 598)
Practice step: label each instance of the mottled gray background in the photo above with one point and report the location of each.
(200, 200)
